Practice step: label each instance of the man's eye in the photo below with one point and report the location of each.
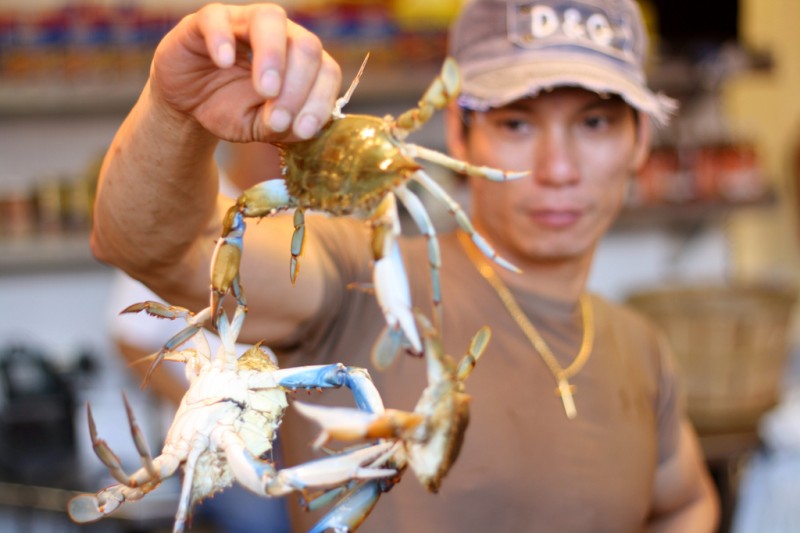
(513, 125)
(596, 122)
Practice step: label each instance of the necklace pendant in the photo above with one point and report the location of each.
(565, 391)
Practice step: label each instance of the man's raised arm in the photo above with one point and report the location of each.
(238, 73)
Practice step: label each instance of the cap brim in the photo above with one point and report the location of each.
(486, 85)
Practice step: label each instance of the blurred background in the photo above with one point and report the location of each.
(707, 245)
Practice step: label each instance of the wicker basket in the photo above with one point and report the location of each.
(731, 345)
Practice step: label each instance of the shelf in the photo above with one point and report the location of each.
(61, 251)
(64, 99)
(685, 215)
(379, 84)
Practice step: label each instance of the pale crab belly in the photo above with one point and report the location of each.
(212, 474)
(257, 430)
(197, 421)
(260, 419)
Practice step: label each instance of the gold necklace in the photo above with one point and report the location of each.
(561, 375)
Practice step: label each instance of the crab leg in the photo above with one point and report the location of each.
(476, 348)
(348, 424)
(263, 199)
(298, 238)
(441, 91)
(226, 261)
(150, 470)
(332, 471)
(423, 221)
(185, 502)
(104, 453)
(159, 310)
(139, 441)
(462, 219)
(171, 312)
(86, 508)
(352, 510)
(389, 275)
(228, 333)
(462, 167)
(90, 507)
(336, 375)
(261, 477)
(386, 347)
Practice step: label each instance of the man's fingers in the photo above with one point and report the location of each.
(320, 101)
(303, 61)
(292, 71)
(298, 81)
(267, 33)
(215, 26)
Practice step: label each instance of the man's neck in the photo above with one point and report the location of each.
(563, 280)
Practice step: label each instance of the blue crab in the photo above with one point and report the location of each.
(360, 165)
(225, 425)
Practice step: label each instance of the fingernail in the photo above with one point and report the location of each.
(225, 54)
(280, 120)
(306, 126)
(270, 83)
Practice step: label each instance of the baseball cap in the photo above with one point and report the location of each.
(510, 49)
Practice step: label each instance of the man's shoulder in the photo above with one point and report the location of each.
(624, 316)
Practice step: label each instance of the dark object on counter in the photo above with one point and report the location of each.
(37, 437)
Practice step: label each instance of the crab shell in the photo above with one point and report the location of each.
(348, 167)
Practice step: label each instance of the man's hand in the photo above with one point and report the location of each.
(245, 73)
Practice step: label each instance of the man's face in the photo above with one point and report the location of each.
(580, 149)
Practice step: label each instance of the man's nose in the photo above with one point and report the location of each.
(556, 161)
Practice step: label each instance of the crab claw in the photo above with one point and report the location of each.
(348, 424)
(158, 310)
(334, 470)
(389, 275)
(393, 295)
(386, 347)
(226, 260)
(103, 452)
(440, 92)
(352, 510)
(87, 508)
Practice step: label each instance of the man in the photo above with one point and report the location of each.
(554, 87)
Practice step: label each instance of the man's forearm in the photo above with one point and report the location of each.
(157, 190)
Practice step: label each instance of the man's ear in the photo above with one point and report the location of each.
(455, 132)
(644, 134)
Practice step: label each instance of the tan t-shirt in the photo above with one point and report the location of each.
(524, 466)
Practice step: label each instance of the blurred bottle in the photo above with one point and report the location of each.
(425, 14)
(796, 179)
(650, 17)
(17, 211)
